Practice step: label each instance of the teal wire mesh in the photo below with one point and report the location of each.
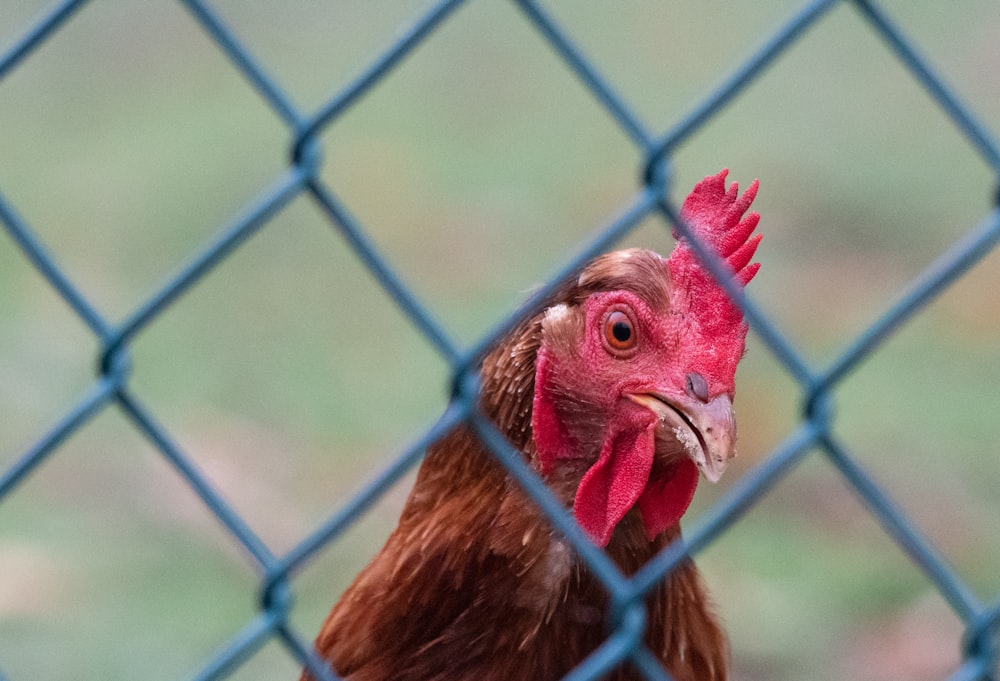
(314, 171)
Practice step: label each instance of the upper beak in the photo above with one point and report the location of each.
(707, 430)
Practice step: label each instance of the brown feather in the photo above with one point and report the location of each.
(474, 584)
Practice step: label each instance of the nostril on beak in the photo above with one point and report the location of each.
(697, 387)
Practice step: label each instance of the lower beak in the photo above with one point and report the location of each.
(706, 430)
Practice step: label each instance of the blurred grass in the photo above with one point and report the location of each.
(127, 141)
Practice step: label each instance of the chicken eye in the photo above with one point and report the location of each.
(619, 331)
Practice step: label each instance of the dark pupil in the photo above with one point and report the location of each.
(622, 331)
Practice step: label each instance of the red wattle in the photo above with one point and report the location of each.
(667, 497)
(618, 479)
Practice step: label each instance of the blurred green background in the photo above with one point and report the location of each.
(127, 141)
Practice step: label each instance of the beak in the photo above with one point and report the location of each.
(706, 430)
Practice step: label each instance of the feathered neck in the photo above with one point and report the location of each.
(519, 592)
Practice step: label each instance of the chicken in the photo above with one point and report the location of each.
(617, 393)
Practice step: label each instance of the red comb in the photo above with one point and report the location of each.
(715, 216)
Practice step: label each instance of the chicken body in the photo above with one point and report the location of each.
(617, 393)
(479, 600)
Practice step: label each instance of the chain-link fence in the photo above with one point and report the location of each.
(812, 385)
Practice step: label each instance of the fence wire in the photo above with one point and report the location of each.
(816, 432)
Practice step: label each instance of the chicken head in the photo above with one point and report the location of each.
(635, 377)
